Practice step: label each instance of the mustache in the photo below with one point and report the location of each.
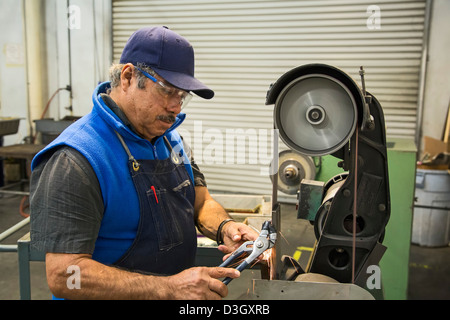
(167, 118)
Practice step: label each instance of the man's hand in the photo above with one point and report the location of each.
(234, 234)
(200, 283)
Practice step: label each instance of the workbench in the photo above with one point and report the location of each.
(25, 153)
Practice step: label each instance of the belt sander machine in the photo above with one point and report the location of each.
(320, 110)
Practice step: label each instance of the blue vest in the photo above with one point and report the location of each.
(94, 137)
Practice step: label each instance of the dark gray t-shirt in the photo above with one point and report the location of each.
(66, 201)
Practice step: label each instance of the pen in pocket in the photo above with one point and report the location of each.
(154, 192)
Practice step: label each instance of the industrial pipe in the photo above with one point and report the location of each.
(34, 42)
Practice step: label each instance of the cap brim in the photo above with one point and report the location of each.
(185, 82)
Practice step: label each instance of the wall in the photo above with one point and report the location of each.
(78, 52)
(87, 64)
(437, 84)
(13, 97)
(91, 56)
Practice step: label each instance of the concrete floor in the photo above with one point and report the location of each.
(429, 269)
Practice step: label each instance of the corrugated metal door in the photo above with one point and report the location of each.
(242, 46)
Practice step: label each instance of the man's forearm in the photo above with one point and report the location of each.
(98, 281)
(209, 217)
(209, 214)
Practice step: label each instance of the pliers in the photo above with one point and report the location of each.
(265, 240)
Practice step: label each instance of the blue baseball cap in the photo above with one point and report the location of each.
(168, 54)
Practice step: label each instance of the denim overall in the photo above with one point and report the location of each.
(166, 239)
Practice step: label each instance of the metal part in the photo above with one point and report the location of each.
(299, 102)
(5, 234)
(315, 108)
(315, 115)
(330, 190)
(367, 121)
(266, 240)
(309, 199)
(287, 263)
(291, 290)
(274, 263)
(293, 168)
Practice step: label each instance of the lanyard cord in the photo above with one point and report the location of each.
(136, 164)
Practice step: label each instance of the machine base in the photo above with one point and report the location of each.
(292, 290)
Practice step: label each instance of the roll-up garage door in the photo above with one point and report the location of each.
(242, 46)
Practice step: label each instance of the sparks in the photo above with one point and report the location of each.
(267, 255)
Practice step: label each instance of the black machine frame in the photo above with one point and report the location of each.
(350, 225)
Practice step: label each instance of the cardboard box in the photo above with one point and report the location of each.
(436, 154)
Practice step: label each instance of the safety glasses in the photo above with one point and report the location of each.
(167, 91)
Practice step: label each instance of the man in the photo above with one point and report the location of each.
(118, 195)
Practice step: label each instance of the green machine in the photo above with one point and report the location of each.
(402, 178)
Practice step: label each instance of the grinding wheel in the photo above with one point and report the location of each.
(314, 277)
(293, 167)
(316, 114)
